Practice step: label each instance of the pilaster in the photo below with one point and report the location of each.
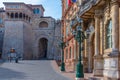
(98, 60)
(115, 28)
(112, 60)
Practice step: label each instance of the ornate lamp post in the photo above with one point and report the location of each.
(62, 45)
(79, 37)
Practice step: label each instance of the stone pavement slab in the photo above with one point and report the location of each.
(29, 70)
(70, 75)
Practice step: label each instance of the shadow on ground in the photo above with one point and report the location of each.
(12, 74)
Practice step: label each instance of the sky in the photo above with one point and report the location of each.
(52, 7)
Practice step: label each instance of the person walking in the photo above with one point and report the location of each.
(14, 55)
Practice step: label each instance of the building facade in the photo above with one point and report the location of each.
(101, 49)
(29, 32)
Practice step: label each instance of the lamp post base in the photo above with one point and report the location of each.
(62, 66)
(79, 70)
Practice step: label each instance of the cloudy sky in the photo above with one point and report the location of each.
(52, 7)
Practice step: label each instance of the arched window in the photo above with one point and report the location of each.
(12, 15)
(109, 35)
(34, 11)
(16, 15)
(43, 24)
(20, 15)
(38, 11)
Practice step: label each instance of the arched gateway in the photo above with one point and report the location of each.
(43, 45)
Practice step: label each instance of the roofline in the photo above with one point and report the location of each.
(17, 3)
(13, 3)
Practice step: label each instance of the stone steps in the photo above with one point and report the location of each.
(95, 78)
(89, 76)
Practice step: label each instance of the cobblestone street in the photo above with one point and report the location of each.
(29, 70)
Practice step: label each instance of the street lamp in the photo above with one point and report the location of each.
(79, 37)
(62, 45)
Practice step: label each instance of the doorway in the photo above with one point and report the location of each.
(43, 43)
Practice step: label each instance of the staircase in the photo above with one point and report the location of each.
(96, 78)
(89, 76)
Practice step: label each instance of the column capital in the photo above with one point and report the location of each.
(98, 13)
(114, 2)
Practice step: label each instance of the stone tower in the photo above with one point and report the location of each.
(18, 31)
(29, 32)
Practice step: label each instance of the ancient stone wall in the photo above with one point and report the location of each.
(13, 37)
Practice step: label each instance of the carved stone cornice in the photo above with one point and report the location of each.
(98, 13)
(88, 5)
(114, 2)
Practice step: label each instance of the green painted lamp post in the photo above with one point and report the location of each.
(62, 45)
(79, 37)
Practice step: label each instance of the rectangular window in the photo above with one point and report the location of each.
(109, 35)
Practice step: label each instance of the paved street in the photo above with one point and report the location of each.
(29, 70)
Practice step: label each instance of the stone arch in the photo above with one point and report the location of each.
(43, 24)
(36, 46)
(43, 44)
(20, 15)
(12, 15)
(16, 15)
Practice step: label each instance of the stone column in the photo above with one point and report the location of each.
(97, 35)
(23, 16)
(112, 62)
(90, 55)
(85, 56)
(98, 60)
(115, 28)
(85, 48)
(13, 15)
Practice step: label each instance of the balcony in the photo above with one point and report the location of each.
(87, 5)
